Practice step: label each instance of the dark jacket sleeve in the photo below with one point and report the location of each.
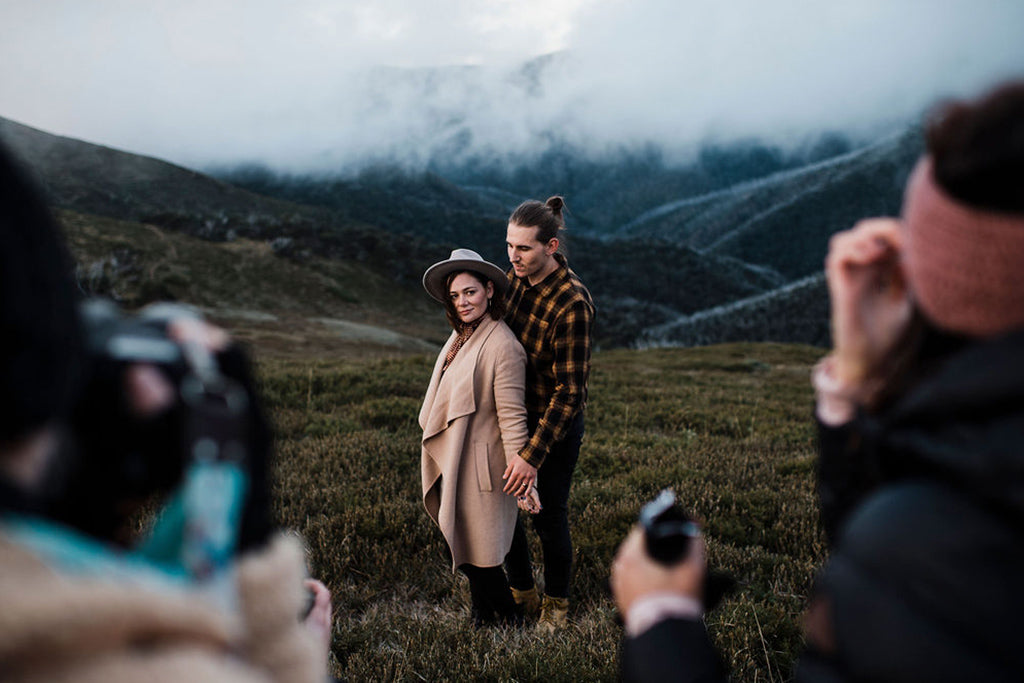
(672, 650)
(847, 472)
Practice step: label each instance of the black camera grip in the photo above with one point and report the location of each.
(668, 536)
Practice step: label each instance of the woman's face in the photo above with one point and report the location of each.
(469, 296)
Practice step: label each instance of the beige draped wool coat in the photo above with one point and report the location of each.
(474, 422)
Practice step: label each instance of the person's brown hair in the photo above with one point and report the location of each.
(546, 217)
(496, 308)
(977, 148)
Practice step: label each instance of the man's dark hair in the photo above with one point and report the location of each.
(546, 217)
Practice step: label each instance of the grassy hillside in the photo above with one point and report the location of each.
(313, 304)
(95, 180)
(282, 306)
(344, 365)
(418, 218)
(727, 427)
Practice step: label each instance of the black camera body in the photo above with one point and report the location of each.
(669, 534)
(114, 337)
(117, 461)
(668, 531)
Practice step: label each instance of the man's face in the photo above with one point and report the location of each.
(528, 256)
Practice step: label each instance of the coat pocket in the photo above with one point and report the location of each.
(482, 457)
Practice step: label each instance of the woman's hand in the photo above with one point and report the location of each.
(871, 305)
(530, 502)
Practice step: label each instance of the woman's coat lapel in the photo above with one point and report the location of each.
(452, 395)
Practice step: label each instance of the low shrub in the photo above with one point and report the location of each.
(727, 427)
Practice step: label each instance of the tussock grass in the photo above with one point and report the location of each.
(727, 427)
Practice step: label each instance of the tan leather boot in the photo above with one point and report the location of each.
(554, 614)
(529, 601)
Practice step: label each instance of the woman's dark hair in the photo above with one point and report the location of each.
(496, 308)
(977, 148)
(919, 351)
(546, 217)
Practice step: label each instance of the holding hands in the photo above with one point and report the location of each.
(530, 502)
(519, 476)
(521, 481)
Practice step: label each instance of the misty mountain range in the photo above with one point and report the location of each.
(722, 248)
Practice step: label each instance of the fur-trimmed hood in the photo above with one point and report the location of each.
(56, 628)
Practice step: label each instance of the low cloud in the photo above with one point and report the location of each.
(329, 86)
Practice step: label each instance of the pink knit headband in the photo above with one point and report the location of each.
(965, 266)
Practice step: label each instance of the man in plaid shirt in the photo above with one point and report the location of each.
(552, 313)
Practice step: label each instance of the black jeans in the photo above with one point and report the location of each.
(552, 523)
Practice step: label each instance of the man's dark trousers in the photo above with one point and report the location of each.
(554, 479)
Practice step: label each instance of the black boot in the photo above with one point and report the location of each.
(482, 615)
(492, 598)
(504, 605)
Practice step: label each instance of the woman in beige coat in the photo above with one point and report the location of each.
(474, 422)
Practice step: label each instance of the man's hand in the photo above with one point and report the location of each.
(870, 302)
(519, 476)
(634, 574)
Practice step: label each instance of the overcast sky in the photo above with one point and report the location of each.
(300, 84)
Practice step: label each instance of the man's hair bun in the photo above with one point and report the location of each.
(556, 204)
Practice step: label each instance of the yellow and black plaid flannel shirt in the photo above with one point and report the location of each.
(553, 321)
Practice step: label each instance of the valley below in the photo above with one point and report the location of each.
(716, 251)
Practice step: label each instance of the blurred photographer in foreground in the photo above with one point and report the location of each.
(921, 413)
(210, 594)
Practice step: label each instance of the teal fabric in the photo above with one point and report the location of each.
(192, 541)
(197, 530)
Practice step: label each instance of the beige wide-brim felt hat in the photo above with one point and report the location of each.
(461, 259)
